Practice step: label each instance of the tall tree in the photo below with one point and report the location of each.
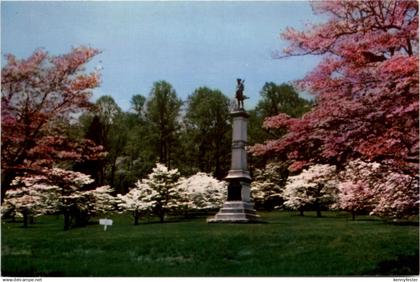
(162, 113)
(274, 99)
(37, 93)
(94, 131)
(281, 98)
(114, 130)
(366, 88)
(207, 121)
(103, 125)
(137, 103)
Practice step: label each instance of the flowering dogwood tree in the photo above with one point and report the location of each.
(374, 188)
(356, 187)
(59, 190)
(138, 201)
(39, 95)
(164, 194)
(315, 186)
(397, 195)
(98, 201)
(268, 186)
(29, 198)
(366, 87)
(103, 201)
(204, 191)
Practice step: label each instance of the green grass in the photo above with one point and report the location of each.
(286, 245)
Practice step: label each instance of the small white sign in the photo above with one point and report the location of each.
(105, 222)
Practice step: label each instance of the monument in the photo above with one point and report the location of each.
(238, 207)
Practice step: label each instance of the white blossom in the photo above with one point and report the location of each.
(204, 191)
(315, 185)
(159, 193)
(376, 188)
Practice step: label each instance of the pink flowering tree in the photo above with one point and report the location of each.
(397, 196)
(40, 94)
(204, 191)
(366, 93)
(375, 189)
(365, 87)
(357, 187)
(313, 187)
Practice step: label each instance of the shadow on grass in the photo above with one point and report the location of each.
(401, 265)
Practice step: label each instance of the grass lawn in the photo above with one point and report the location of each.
(286, 245)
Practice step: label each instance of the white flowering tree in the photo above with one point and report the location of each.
(164, 194)
(59, 190)
(204, 192)
(72, 202)
(138, 201)
(398, 196)
(268, 185)
(369, 187)
(315, 186)
(29, 198)
(99, 201)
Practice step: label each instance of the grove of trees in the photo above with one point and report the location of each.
(61, 152)
(354, 147)
(366, 104)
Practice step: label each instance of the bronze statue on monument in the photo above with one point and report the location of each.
(240, 97)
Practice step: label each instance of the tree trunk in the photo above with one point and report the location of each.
(318, 211)
(136, 218)
(201, 154)
(353, 215)
(318, 207)
(113, 168)
(301, 212)
(25, 214)
(66, 220)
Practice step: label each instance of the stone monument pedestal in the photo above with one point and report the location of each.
(238, 207)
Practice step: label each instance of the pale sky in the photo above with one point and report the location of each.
(189, 44)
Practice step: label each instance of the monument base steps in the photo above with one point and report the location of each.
(236, 211)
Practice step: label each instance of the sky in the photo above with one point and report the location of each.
(189, 44)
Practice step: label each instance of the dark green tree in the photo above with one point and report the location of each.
(93, 130)
(137, 103)
(275, 99)
(162, 115)
(114, 130)
(139, 154)
(281, 98)
(208, 130)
